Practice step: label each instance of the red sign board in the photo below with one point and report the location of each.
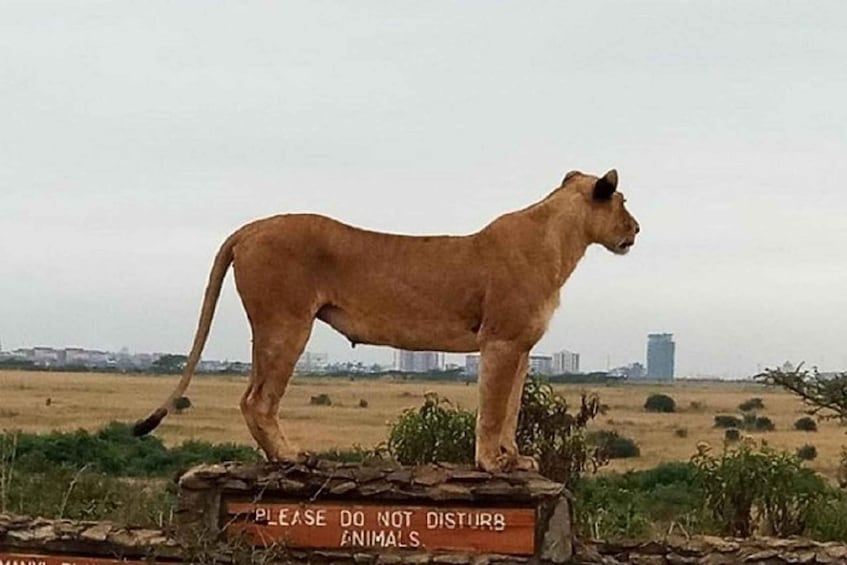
(338, 526)
(38, 559)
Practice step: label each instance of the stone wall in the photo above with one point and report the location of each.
(205, 491)
(204, 525)
(709, 550)
(19, 534)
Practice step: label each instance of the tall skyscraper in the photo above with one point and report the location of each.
(418, 361)
(565, 362)
(660, 357)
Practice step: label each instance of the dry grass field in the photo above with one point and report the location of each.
(91, 400)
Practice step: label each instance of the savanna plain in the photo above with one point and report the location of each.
(47, 401)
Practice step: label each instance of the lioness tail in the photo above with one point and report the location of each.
(213, 289)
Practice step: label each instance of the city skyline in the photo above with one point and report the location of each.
(557, 362)
(134, 149)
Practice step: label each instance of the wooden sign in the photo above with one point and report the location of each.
(37, 559)
(333, 526)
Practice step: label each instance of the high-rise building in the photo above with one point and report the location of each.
(565, 362)
(660, 357)
(472, 365)
(310, 362)
(418, 361)
(541, 364)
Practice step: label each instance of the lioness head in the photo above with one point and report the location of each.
(608, 222)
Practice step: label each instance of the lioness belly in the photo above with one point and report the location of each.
(452, 334)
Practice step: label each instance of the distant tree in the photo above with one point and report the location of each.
(824, 395)
(169, 364)
(182, 403)
(806, 424)
(660, 403)
(751, 404)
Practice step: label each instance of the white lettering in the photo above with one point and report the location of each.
(414, 538)
(349, 518)
(499, 522)
(394, 519)
(451, 520)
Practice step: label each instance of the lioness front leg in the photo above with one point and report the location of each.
(508, 441)
(499, 362)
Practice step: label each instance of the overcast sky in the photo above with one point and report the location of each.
(135, 136)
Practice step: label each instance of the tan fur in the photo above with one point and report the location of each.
(493, 291)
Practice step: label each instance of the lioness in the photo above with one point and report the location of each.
(493, 291)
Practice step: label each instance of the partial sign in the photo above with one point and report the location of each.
(339, 526)
(38, 559)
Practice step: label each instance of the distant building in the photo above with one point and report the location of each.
(310, 362)
(472, 365)
(565, 362)
(418, 361)
(541, 364)
(633, 371)
(660, 357)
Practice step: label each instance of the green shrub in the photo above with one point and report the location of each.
(114, 451)
(611, 445)
(660, 403)
(731, 435)
(548, 431)
(321, 400)
(724, 421)
(437, 431)
(182, 403)
(640, 504)
(754, 423)
(806, 424)
(746, 478)
(751, 404)
(807, 452)
(828, 518)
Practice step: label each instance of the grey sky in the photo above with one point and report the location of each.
(135, 136)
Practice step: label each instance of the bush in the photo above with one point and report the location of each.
(321, 400)
(731, 435)
(114, 451)
(754, 423)
(681, 432)
(828, 519)
(660, 403)
(437, 431)
(723, 421)
(554, 436)
(745, 478)
(751, 404)
(640, 504)
(807, 452)
(841, 472)
(363, 403)
(806, 424)
(182, 403)
(611, 445)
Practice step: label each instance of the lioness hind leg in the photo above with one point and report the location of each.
(499, 362)
(508, 440)
(274, 356)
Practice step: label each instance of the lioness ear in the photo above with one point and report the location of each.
(606, 185)
(569, 176)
